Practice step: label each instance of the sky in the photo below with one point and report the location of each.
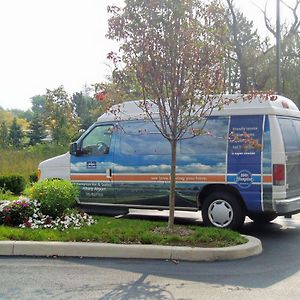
(48, 43)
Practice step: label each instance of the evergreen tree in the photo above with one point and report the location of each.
(4, 136)
(37, 130)
(15, 134)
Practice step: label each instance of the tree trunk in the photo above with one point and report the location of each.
(172, 185)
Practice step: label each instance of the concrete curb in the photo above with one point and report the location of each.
(103, 250)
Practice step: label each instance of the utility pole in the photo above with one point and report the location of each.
(278, 50)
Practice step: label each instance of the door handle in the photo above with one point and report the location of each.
(108, 173)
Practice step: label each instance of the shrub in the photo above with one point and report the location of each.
(55, 196)
(14, 183)
(33, 177)
(6, 194)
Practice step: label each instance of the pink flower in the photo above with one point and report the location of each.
(27, 224)
(7, 219)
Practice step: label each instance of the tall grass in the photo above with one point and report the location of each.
(25, 161)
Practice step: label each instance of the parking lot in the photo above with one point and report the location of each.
(272, 275)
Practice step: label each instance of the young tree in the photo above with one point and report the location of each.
(176, 49)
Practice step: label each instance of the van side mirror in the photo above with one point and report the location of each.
(74, 149)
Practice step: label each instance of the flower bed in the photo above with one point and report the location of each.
(26, 213)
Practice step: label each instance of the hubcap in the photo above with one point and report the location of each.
(220, 213)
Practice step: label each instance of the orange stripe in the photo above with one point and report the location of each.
(162, 178)
(268, 178)
(151, 178)
(89, 177)
(158, 178)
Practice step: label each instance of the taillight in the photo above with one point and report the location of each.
(39, 174)
(278, 174)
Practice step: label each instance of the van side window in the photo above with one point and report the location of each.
(98, 141)
(142, 137)
(212, 141)
(296, 123)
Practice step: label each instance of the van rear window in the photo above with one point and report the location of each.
(290, 129)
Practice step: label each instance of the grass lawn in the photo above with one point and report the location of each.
(130, 231)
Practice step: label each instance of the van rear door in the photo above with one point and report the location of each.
(290, 129)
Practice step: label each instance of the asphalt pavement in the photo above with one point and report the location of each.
(273, 275)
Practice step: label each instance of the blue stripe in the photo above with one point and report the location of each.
(255, 178)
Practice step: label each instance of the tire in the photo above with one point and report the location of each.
(262, 218)
(223, 210)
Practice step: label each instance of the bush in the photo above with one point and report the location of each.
(14, 183)
(6, 194)
(55, 196)
(33, 177)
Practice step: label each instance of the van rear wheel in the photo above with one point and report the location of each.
(223, 210)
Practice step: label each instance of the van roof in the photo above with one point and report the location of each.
(233, 105)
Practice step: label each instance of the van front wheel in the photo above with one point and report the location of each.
(223, 210)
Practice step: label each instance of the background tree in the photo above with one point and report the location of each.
(86, 108)
(121, 86)
(246, 67)
(290, 50)
(36, 131)
(38, 105)
(61, 119)
(6, 116)
(4, 136)
(291, 68)
(176, 50)
(15, 134)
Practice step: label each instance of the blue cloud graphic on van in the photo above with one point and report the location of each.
(164, 168)
(142, 169)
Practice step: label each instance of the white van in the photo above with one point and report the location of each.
(248, 163)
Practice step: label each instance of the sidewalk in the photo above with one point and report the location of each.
(103, 250)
